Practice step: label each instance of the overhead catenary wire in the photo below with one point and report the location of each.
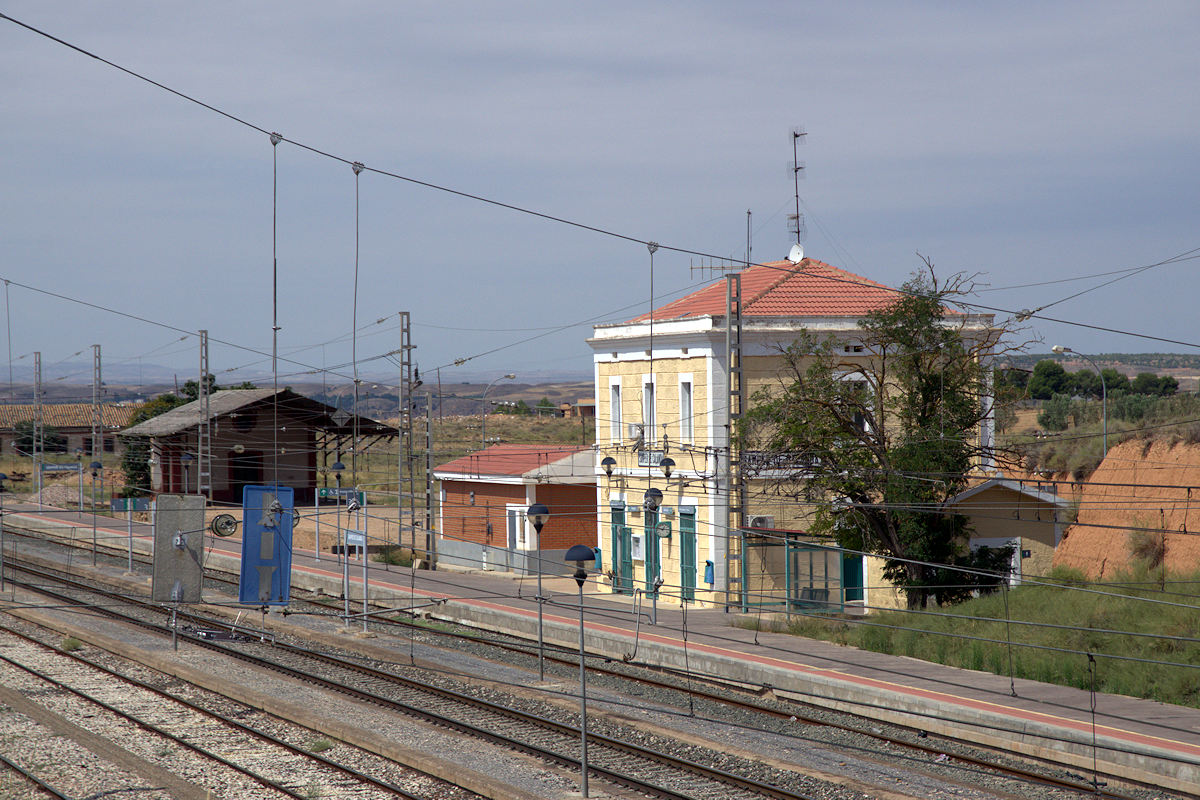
(486, 200)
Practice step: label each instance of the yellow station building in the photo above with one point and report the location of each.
(676, 518)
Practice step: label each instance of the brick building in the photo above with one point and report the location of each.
(484, 497)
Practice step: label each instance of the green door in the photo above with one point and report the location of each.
(687, 555)
(852, 577)
(622, 555)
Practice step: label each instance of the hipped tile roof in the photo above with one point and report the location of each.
(512, 460)
(782, 289)
(68, 415)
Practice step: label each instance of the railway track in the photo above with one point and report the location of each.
(727, 696)
(233, 755)
(622, 763)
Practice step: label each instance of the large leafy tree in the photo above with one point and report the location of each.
(877, 448)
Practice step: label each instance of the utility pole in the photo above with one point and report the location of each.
(37, 423)
(431, 540)
(204, 429)
(97, 419)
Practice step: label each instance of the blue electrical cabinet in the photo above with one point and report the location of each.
(266, 577)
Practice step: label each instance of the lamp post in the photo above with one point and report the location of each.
(186, 460)
(79, 458)
(608, 464)
(651, 501)
(483, 423)
(1060, 349)
(580, 553)
(337, 469)
(95, 467)
(538, 513)
(3, 478)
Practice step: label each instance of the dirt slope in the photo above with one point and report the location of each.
(1139, 485)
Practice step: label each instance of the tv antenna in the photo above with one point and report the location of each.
(796, 224)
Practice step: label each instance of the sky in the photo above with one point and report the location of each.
(1045, 148)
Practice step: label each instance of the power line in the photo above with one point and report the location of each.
(524, 210)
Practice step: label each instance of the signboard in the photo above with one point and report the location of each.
(355, 538)
(178, 548)
(130, 503)
(347, 494)
(267, 518)
(62, 468)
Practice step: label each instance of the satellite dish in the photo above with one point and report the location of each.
(797, 254)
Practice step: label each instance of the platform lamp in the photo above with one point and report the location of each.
(186, 460)
(483, 422)
(337, 468)
(608, 464)
(667, 465)
(579, 553)
(96, 468)
(538, 513)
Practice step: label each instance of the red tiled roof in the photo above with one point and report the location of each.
(68, 415)
(509, 459)
(782, 289)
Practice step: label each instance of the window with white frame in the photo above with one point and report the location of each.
(649, 420)
(614, 411)
(686, 429)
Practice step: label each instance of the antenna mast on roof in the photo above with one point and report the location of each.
(796, 225)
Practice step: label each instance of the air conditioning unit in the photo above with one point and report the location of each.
(635, 430)
(762, 521)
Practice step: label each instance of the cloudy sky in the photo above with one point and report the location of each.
(1049, 147)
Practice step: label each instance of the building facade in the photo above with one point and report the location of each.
(484, 497)
(670, 388)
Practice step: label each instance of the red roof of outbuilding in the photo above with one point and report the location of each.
(782, 289)
(509, 459)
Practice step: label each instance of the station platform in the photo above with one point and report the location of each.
(1141, 740)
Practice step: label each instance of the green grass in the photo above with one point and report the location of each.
(394, 555)
(71, 644)
(973, 635)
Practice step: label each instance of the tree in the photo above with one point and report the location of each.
(878, 448)
(1149, 383)
(1048, 379)
(1053, 416)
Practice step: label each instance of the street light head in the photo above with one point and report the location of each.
(511, 375)
(667, 465)
(652, 499)
(338, 466)
(538, 514)
(1060, 349)
(579, 553)
(187, 458)
(608, 464)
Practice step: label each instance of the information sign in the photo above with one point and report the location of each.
(266, 577)
(347, 494)
(62, 467)
(355, 538)
(130, 503)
